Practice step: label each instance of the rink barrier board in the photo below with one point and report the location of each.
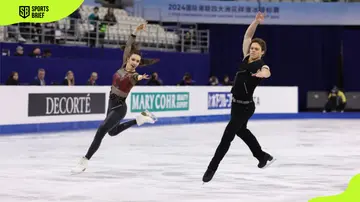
(37, 109)
(58, 104)
(23, 129)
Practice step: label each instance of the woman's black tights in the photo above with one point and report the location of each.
(116, 112)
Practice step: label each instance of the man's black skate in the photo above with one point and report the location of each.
(209, 174)
(266, 161)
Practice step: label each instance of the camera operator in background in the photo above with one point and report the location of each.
(154, 80)
(187, 80)
(336, 101)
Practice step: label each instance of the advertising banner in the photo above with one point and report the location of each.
(160, 101)
(57, 104)
(242, 12)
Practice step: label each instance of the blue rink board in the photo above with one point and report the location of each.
(71, 126)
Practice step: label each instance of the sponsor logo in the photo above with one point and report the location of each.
(219, 100)
(160, 101)
(222, 100)
(57, 104)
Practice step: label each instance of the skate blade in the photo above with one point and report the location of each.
(269, 163)
(77, 173)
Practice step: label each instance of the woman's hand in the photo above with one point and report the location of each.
(144, 76)
(141, 27)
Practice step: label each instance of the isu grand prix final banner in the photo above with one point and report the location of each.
(237, 12)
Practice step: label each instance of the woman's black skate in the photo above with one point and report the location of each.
(266, 161)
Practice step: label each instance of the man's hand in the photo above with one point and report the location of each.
(263, 73)
(259, 17)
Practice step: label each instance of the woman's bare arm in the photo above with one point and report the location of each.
(131, 41)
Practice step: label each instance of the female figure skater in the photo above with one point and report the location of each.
(252, 70)
(123, 81)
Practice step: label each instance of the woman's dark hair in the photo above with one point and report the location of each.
(136, 52)
(11, 80)
(261, 42)
(135, 49)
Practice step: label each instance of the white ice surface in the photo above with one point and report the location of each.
(166, 164)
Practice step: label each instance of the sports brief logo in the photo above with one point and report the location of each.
(57, 104)
(351, 193)
(24, 11)
(160, 101)
(33, 11)
(36, 11)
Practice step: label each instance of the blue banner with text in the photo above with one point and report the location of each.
(235, 12)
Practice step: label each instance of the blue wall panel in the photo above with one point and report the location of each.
(171, 67)
(304, 56)
(351, 43)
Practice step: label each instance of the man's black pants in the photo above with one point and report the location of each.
(334, 105)
(240, 114)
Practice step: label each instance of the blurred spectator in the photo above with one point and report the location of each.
(116, 3)
(36, 29)
(30, 31)
(94, 17)
(13, 79)
(47, 53)
(336, 101)
(19, 51)
(100, 35)
(109, 1)
(154, 80)
(14, 31)
(75, 16)
(110, 17)
(187, 80)
(102, 31)
(226, 81)
(213, 81)
(100, 27)
(49, 30)
(40, 78)
(190, 39)
(92, 80)
(36, 53)
(69, 79)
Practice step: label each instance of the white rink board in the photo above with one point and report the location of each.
(164, 101)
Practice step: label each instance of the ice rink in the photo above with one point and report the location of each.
(166, 164)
